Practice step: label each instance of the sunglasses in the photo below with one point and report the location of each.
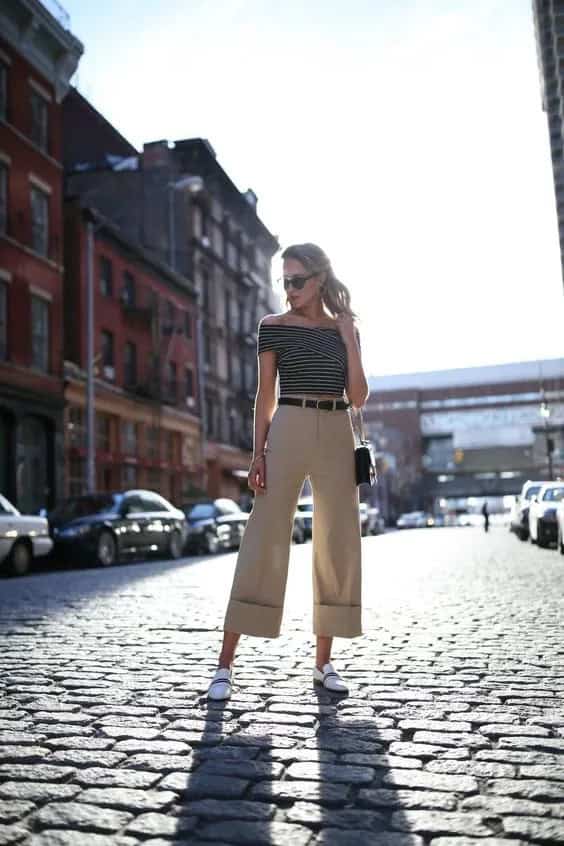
(297, 282)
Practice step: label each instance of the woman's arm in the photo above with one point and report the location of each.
(357, 386)
(265, 405)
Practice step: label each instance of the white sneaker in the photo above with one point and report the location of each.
(330, 679)
(220, 685)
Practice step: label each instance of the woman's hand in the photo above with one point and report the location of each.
(257, 475)
(346, 327)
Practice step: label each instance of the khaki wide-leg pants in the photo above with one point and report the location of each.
(319, 444)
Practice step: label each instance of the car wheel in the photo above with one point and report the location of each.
(523, 535)
(106, 549)
(560, 541)
(175, 545)
(211, 544)
(541, 537)
(20, 558)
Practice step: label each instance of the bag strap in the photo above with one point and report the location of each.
(357, 415)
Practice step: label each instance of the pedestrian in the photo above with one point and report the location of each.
(486, 515)
(314, 349)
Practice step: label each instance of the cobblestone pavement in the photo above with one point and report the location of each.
(453, 732)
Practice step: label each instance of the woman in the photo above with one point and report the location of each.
(314, 348)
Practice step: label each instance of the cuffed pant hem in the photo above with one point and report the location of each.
(252, 619)
(337, 620)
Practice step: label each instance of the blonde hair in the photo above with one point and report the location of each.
(334, 294)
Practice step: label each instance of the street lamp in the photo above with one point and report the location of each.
(545, 414)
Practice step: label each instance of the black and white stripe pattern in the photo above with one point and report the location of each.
(310, 359)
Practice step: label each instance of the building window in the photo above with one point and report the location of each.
(154, 479)
(171, 382)
(39, 120)
(76, 427)
(227, 310)
(153, 442)
(189, 382)
(3, 91)
(106, 280)
(232, 255)
(171, 312)
(188, 324)
(77, 476)
(3, 198)
(103, 427)
(128, 437)
(39, 220)
(3, 321)
(197, 221)
(129, 292)
(206, 291)
(130, 363)
(40, 333)
(108, 363)
(218, 241)
(171, 447)
(129, 476)
(210, 417)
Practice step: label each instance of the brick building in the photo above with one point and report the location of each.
(146, 386)
(211, 234)
(450, 435)
(38, 55)
(549, 23)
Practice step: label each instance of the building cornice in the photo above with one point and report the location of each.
(36, 34)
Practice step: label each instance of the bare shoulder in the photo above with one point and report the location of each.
(271, 319)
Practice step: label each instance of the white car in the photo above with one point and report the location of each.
(543, 525)
(22, 538)
(415, 520)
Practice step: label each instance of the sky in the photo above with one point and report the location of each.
(405, 137)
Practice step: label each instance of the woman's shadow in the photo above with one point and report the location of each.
(287, 761)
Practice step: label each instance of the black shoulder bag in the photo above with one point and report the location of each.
(364, 463)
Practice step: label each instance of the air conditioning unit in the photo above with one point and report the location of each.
(109, 372)
(190, 402)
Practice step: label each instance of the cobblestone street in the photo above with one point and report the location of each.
(453, 732)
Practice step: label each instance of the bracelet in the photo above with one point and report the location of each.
(260, 455)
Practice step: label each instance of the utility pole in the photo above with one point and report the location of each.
(90, 395)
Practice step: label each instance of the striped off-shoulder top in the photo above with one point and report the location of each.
(309, 359)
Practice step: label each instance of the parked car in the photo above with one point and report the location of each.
(376, 523)
(364, 521)
(299, 528)
(214, 525)
(519, 518)
(305, 506)
(415, 520)
(22, 538)
(104, 527)
(543, 526)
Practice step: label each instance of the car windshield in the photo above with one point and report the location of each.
(305, 506)
(532, 491)
(554, 494)
(7, 507)
(202, 511)
(85, 506)
(227, 506)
